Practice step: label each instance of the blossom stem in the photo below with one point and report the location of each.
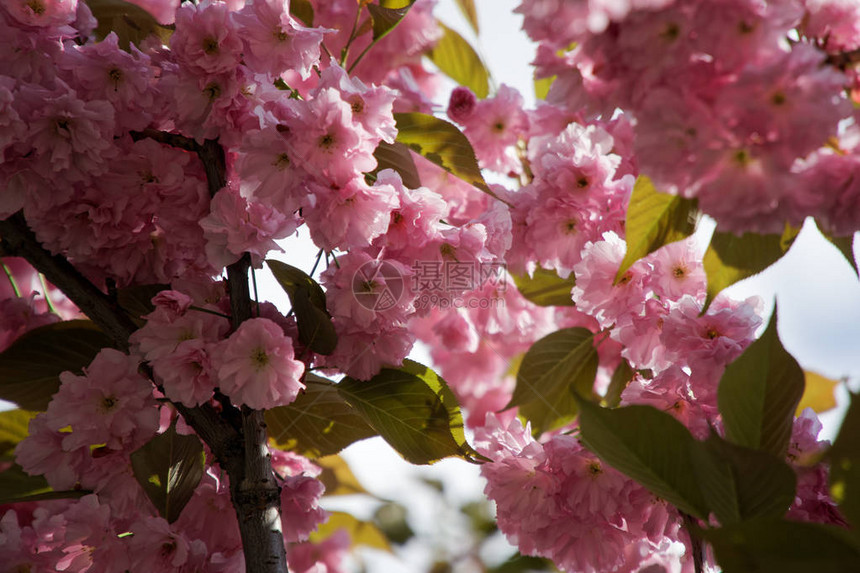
(12, 280)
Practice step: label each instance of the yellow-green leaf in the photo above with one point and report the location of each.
(458, 60)
(467, 7)
(546, 288)
(360, 532)
(130, 22)
(542, 85)
(655, 219)
(318, 423)
(303, 11)
(555, 368)
(819, 393)
(338, 477)
(386, 19)
(759, 392)
(14, 427)
(443, 144)
(730, 258)
(30, 368)
(413, 410)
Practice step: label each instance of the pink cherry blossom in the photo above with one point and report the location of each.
(255, 366)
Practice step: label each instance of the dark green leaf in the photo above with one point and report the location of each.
(739, 483)
(546, 288)
(730, 258)
(303, 11)
(386, 19)
(655, 219)
(759, 392)
(30, 368)
(130, 22)
(316, 329)
(844, 458)
(458, 60)
(441, 143)
(467, 7)
(649, 446)
(169, 467)
(14, 427)
(620, 379)
(319, 423)
(777, 546)
(398, 157)
(413, 409)
(846, 247)
(137, 300)
(16, 486)
(555, 368)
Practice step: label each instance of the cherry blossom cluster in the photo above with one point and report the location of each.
(743, 104)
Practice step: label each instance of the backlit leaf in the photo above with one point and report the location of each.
(777, 546)
(467, 7)
(413, 409)
(318, 423)
(303, 11)
(844, 458)
(655, 219)
(620, 379)
(546, 288)
(542, 85)
(168, 467)
(818, 394)
(130, 22)
(730, 258)
(759, 392)
(14, 427)
(30, 368)
(316, 329)
(458, 60)
(846, 247)
(443, 144)
(386, 19)
(338, 477)
(555, 368)
(398, 157)
(649, 446)
(360, 532)
(137, 300)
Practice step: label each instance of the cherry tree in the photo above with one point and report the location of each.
(626, 414)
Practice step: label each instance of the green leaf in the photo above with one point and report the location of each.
(386, 19)
(398, 157)
(318, 423)
(458, 60)
(649, 446)
(303, 11)
(777, 546)
(137, 300)
(467, 7)
(169, 467)
(759, 392)
(413, 410)
(16, 486)
(14, 427)
(316, 329)
(730, 258)
(654, 220)
(546, 288)
(844, 458)
(360, 532)
(443, 144)
(130, 22)
(620, 379)
(30, 368)
(555, 368)
(739, 483)
(542, 85)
